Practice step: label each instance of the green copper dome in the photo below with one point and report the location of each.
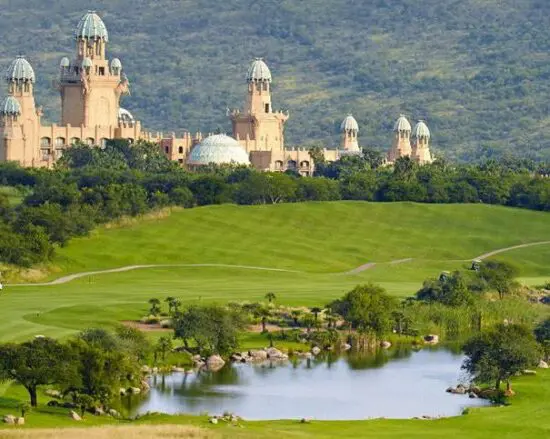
(421, 130)
(258, 71)
(91, 27)
(349, 124)
(402, 124)
(10, 107)
(218, 149)
(20, 70)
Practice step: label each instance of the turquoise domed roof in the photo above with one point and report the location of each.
(421, 130)
(124, 115)
(258, 71)
(64, 62)
(349, 124)
(402, 124)
(218, 149)
(116, 64)
(10, 107)
(20, 70)
(91, 27)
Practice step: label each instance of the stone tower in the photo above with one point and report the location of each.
(349, 129)
(401, 145)
(20, 120)
(90, 87)
(258, 127)
(421, 143)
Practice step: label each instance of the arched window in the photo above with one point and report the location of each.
(304, 164)
(45, 142)
(180, 149)
(103, 143)
(59, 142)
(167, 149)
(291, 164)
(75, 140)
(90, 141)
(279, 164)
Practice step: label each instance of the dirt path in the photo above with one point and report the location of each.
(71, 277)
(361, 268)
(507, 249)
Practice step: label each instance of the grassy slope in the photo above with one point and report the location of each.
(312, 237)
(526, 418)
(320, 240)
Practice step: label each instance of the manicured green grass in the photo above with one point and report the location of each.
(14, 195)
(311, 237)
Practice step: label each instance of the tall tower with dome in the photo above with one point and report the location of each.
(258, 127)
(90, 85)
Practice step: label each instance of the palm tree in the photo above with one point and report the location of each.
(155, 306)
(296, 313)
(309, 322)
(270, 297)
(316, 310)
(170, 300)
(176, 303)
(264, 313)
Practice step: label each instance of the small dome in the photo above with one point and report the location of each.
(349, 124)
(64, 62)
(218, 149)
(87, 62)
(421, 130)
(20, 70)
(402, 124)
(91, 27)
(124, 115)
(116, 64)
(10, 107)
(258, 71)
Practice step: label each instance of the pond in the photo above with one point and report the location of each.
(398, 384)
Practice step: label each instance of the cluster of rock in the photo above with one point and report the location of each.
(226, 417)
(471, 391)
(431, 339)
(13, 420)
(259, 355)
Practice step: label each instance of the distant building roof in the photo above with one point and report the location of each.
(421, 130)
(20, 70)
(91, 26)
(349, 124)
(402, 124)
(218, 149)
(10, 107)
(258, 71)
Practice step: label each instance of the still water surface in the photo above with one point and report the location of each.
(401, 384)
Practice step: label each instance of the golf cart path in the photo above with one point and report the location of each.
(367, 266)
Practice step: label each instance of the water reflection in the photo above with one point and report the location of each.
(396, 383)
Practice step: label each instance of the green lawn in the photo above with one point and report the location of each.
(320, 241)
(13, 194)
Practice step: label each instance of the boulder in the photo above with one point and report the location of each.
(543, 364)
(178, 369)
(472, 395)
(9, 419)
(145, 369)
(122, 391)
(236, 357)
(74, 415)
(258, 355)
(98, 411)
(385, 345)
(196, 358)
(315, 350)
(215, 362)
(155, 370)
(276, 354)
(431, 339)
(20, 421)
(346, 347)
(214, 420)
(53, 393)
(145, 385)
(529, 372)
(133, 390)
(114, 413)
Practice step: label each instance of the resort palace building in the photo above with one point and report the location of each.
(91, 86)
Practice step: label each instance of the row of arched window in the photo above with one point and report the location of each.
(46, 142)
(291, 164)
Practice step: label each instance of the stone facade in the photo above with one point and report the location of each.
(91, 87)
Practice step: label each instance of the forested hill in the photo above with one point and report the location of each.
(477, 70)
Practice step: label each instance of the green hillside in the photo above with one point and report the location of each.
(476, 70)
(313, 237)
